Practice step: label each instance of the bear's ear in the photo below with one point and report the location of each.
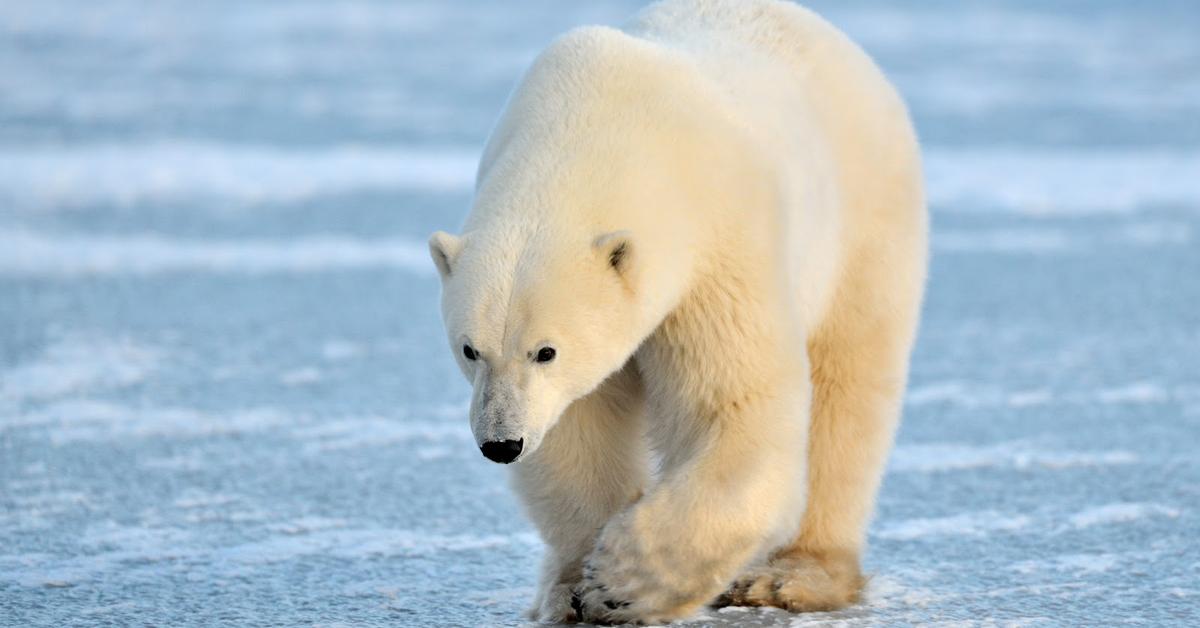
(444, 249)
(617, 249)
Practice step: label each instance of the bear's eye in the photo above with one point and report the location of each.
(469, 353)
(546, 354)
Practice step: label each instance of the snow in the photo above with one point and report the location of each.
(78, 364)
(938, 457)
(225, 176)
(1141, 392)
(301, 376)
(970, 524)
(225, 391)
(222, 174)
(32, 254)
(1121, 513)
(1062, 181)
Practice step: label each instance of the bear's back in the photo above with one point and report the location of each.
(781, 30)
(848, 153)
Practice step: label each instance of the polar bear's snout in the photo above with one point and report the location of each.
(496, 419)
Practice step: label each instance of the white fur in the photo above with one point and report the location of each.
(757, 182)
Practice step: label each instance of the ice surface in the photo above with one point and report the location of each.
(225, 397)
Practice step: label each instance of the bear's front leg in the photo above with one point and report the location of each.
(734, 491)
(591, 464)
(727, 394)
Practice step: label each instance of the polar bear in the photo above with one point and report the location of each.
(686, 294)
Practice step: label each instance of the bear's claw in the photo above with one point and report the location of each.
(577, 603)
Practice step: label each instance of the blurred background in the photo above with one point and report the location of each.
(225, 395)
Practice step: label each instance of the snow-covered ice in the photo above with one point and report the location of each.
(225, 397)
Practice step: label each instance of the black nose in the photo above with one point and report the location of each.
(502, 451)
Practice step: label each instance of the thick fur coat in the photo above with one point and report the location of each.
(686, 295)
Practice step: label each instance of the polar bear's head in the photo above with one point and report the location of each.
(581, 237)
(535, 322)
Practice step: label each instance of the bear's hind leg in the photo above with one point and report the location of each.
(859, 361)
(592, 464)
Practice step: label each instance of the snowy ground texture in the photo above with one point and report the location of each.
(225, 396)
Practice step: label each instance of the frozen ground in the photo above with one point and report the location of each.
(225, 398)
